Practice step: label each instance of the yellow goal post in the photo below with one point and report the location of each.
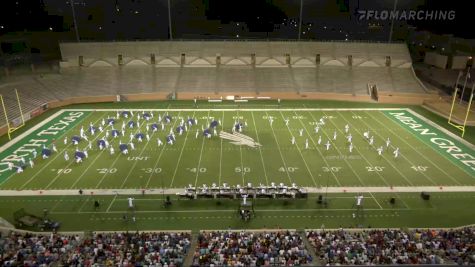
(14, 124)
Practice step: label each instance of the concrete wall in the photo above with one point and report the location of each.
(203, 53)
(459, 62)
(436, 59)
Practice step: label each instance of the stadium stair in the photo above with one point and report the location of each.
(194, 244)
(310, 249)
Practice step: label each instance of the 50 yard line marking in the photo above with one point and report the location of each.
(260, 151)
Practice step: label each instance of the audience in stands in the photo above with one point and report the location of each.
(395, 247)
(111, 249)
(250, 249)
(228, 248)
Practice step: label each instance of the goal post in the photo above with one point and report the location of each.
(460, 126)
(15, 123)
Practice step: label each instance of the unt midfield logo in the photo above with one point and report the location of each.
(406, 14)
(239, 139)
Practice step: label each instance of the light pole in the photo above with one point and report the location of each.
(169, 22)
(74, 21)
(392, 22)
(300, 18)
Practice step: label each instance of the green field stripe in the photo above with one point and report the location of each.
(47, 139)
(428, 156)
(447, 146)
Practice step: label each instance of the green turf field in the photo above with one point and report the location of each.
(429, 156)
(76, 213)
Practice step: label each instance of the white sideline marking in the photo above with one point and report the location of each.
(417, 151)
(234, 109)
(231, 210)
(351, 189)
(29, 131)
(440, 128)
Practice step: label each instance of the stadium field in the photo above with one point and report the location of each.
(261, 154)
(77, 213)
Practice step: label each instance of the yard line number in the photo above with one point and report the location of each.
(242, 169)
(419, 168)
(331, 169)
(152, 170)
(288, 169)
(106, 170)
(62, 171)
(375, 168)
(195, 170)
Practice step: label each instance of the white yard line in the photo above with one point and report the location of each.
(135, 162)
(119, 154)
(336, 147)
(402, 155)
(417, 151)
(84, 203)
(260, 151)
(72, 161)
(300, 152)
(54, 158)
(240, 155)
(201, 154)
(377, 202)
(181, 153)
(394, 167)
(221, 153)
(367, 161)
(112, 202)
(280, 152)
(89, 166)
(346, 161)
(159, 157)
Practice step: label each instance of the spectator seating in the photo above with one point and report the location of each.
(250, 249)
(376, 247)
(102, 249)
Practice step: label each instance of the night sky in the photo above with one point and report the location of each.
(231, 19)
